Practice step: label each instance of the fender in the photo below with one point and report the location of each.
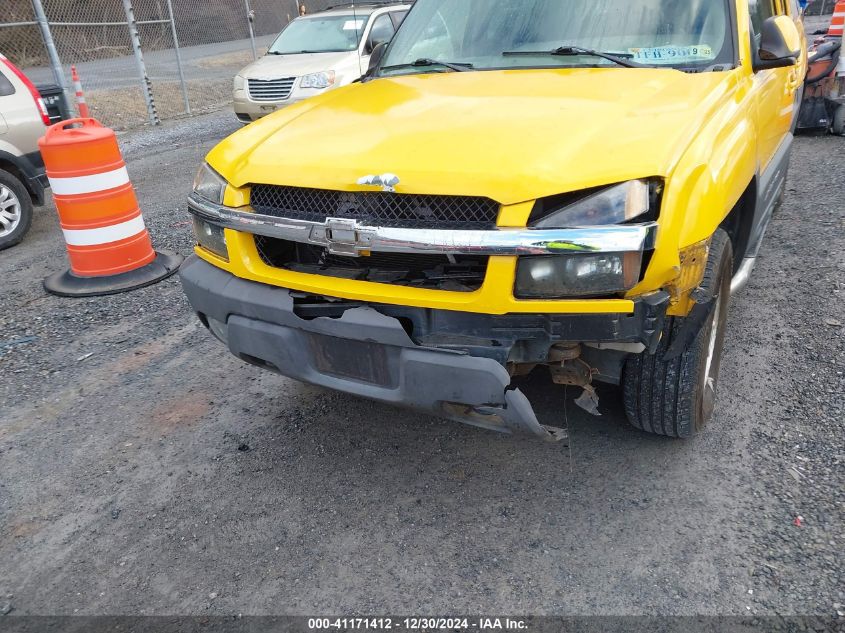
(709, 179)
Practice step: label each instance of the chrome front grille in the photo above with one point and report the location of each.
(270, 89)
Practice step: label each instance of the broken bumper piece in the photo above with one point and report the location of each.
(363, 352)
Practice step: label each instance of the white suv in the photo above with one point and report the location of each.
(23, 120)
(313, 54)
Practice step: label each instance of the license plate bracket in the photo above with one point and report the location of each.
(346, 358)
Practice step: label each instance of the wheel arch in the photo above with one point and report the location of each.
(739, 222)
(9, 163)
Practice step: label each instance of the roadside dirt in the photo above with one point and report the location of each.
(145, 471)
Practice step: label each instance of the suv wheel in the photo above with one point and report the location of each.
(675, 396)
(15, 210)
(838, 126)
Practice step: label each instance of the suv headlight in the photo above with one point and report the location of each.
(211, 237)
(577, 275)
(587, 274)
(614, 205)
(320, 81)
(240, 82)
(209, 184)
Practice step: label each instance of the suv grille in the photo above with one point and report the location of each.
(271, 89)
(433, 272)
(376, 208)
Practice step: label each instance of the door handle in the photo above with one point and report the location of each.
(793, 83)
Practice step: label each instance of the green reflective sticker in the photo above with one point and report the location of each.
(569, 246)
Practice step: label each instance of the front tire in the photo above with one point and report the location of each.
(838, 126)
(676, 396)
(15, 210)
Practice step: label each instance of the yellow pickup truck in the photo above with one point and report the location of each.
(574, 187)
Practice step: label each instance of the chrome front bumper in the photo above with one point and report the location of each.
(341, 236)
(256, 109)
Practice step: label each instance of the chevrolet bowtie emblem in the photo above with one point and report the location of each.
(387, 182)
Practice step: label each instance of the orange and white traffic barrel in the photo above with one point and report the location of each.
(837, 24)
(107, 241)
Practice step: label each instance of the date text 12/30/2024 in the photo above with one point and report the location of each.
(416, 624)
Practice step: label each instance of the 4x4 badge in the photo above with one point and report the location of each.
(387, 182)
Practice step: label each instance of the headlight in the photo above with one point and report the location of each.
(577, 275)
(211, 237)
(240, 82)
(319, 81)
(209, 184)
(613, 205)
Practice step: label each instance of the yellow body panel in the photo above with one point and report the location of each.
(489, 299)
(516, 136)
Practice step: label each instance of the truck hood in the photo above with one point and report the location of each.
(510, 135)
(278, 66)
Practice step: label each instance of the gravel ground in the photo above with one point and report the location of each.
(145, 471)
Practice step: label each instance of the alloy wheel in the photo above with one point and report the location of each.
(10, 211)
(711, 369)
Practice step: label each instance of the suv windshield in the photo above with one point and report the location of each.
(493, 34)
(320, 34)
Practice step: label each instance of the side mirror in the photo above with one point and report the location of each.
(376, 57)
(372, 45)
(780, 44)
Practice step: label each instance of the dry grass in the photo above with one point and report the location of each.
(125, 107)
(229, 60)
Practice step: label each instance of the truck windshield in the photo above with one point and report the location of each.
(327, 34)
(496, 34)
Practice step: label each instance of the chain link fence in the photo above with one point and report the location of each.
(141, 61)
(821, 7)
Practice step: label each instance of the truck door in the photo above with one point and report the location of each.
(794, 11)
(777, 89)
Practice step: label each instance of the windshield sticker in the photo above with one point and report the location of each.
(672, 53)
(353, 25)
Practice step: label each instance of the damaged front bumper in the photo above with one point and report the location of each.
(367, 350)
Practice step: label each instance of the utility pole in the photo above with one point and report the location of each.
(178, 57)
(52, 53)
(250, 18)
(146, 86)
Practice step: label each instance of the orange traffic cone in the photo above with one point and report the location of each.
(81, 103)
(107, 242)
(838, 22)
